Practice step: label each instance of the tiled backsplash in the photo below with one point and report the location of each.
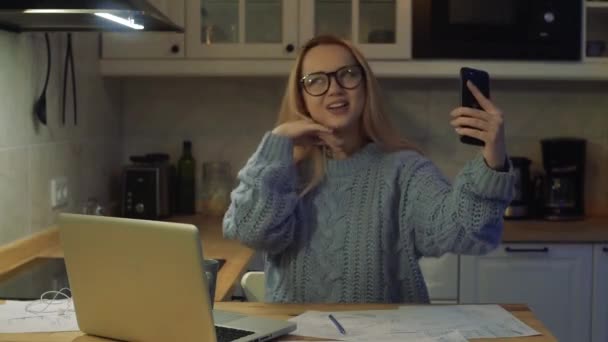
(226, 117)
(32, 154)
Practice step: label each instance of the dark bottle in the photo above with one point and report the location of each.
(185, 180)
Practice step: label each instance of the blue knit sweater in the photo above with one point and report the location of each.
(358, 236)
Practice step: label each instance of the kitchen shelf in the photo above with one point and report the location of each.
(591, 70)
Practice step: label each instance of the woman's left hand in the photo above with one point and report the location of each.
(486, 125)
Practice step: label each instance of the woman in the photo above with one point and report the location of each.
(342, 207)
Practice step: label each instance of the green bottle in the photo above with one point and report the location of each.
(186, 167)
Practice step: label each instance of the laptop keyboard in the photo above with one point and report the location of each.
(228, 334)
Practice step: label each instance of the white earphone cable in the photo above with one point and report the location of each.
(52, 305)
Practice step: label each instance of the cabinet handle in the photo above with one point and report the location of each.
(289, 48)
(175, 48)
(527, 250)
(605, 249)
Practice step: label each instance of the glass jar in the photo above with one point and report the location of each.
(216, 186)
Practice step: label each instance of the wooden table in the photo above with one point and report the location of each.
(286, 311)
(237, 256)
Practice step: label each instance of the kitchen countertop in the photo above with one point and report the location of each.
(46, 243)
(237, 256)
(590, 230)
(286, 311)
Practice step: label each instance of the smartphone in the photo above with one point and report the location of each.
(481, 79)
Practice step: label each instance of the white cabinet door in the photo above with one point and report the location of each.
(599, 321)
(143, 45)
(553, 280)
(241, 28)
(381, 29)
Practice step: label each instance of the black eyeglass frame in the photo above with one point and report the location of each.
(333, 75)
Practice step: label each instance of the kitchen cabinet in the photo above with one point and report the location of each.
(241, 28)
(272, 29)
(381, 29)
(554, 280)
(148, 45)
(251, 31)
(599, 323)
(262, 37)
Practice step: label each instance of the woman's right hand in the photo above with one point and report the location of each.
(303, 132)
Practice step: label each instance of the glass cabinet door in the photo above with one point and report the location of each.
(381, 29)
(377, 21)
(241, 28)
(333, 17)
(219, 21)
(263, 21)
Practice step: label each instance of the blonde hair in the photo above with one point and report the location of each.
(376, 125)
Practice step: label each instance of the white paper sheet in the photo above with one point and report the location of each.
(470, 321)
(473, 321)
(356, 324)
(453, 336)
(14, 318)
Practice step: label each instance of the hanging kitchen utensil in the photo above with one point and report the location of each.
(69, 62)
(40, 105)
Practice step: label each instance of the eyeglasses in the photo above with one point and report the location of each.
(317, 83)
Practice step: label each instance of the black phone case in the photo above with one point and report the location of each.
(481, 79)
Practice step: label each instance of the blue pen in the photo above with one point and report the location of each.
(337, 324)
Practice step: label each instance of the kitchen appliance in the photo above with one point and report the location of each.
(520, 205)
(564, 163)
(79, 15)
(537, 196)
(148, 187)
(500, 29)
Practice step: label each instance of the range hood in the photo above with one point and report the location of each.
(83, 15)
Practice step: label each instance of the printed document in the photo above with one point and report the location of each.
(415, 321)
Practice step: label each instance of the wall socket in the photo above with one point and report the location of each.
(60, 194)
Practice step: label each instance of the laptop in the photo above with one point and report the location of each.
(138, 280)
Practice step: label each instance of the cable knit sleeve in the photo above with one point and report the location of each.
(465, 218)
(261, 212)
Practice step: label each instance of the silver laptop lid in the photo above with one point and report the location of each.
(136, 280)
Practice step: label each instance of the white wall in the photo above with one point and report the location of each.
(32, 154)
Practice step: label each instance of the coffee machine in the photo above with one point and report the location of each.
(148, 187)
(564, 163)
